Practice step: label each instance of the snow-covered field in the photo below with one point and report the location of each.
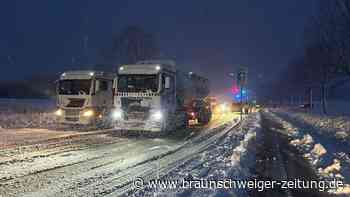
(26, 105)
(27, 113)
(324, 142)
(336, 126)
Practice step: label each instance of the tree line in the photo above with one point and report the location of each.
(326, 53)
(130, 45)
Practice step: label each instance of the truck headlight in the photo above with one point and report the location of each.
(117, 114)
(88, 113)
(59, 112)
(157, 115)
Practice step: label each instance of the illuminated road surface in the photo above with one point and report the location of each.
(94, 163)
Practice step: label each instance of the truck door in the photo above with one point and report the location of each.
(103, 93)
(168, 86)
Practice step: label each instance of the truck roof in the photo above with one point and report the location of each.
(147, 67)
(86, 74)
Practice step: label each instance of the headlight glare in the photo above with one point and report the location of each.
(224, 107)
(117, 114)
(88, 113)
(59, 112)
(157, 115)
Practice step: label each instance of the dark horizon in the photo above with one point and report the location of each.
(43, 37)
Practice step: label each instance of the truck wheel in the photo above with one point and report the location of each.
(200, 120)
(207, 119)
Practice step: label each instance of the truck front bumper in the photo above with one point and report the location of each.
(139, 125)
(76, 120)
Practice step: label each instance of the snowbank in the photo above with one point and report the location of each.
(26, 105)
(27, 113)
(314, 140)
(336, 126)
(27, 120)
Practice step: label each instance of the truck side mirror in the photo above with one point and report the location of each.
(97, 86)
(167, 82)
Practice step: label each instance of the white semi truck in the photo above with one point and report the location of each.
(84, 97)
(154, 96)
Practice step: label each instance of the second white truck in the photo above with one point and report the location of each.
(154, 96)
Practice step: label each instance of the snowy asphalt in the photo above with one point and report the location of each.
(98, 164)
(105, 162)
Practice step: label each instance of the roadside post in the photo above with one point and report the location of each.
(242, 82)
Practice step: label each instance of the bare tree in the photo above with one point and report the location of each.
(326, 51)
(327, 43)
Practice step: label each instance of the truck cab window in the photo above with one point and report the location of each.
(103, 85)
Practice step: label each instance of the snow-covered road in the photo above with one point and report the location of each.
(264, 146)
(100, 163)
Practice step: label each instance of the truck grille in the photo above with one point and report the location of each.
(72, 112)
(72, 119)
(75, 102)
(137, 116)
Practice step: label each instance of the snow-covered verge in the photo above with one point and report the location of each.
(27, 113)
(232, 157)
(335, 126)
(27, 120)
(334, 107)
(26, 105)
(328, 154)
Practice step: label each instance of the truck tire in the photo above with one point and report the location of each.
(204, 118)
(200, 119)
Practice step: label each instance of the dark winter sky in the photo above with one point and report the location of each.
(209, 37)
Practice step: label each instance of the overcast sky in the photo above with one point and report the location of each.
(209, 37)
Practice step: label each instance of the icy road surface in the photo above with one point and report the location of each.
(95, 163)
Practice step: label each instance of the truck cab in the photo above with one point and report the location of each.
(145, 97)
(84, 97)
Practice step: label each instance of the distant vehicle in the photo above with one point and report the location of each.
(84, 97)
(154, 96)
(213, 101)
(199, 111)
(236, 107)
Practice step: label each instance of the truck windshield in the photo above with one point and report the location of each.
(137, 83)
(74, 87)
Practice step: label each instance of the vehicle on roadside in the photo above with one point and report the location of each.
(153, 96)
(246, 108)
(213, 101)
(199, 112)
(84, 97)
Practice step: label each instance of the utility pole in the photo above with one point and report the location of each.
(242, 81)
(241, 101)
